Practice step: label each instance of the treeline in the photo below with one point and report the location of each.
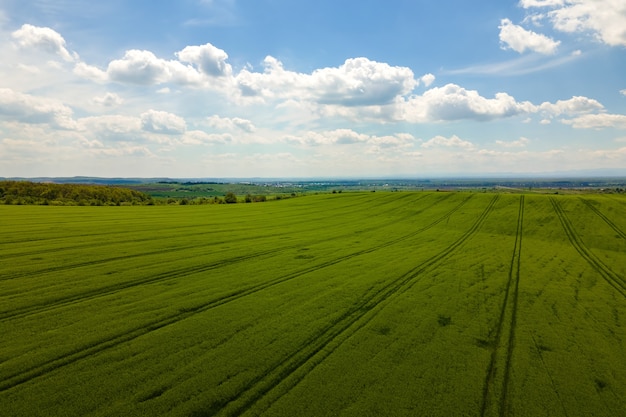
(229, 198)
(26, 192)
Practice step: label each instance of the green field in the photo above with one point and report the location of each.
(352, 304)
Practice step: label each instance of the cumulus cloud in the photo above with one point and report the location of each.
(521, 143)
(108, 100)
(427, 79)
(452, 142)
(45, 39)
(357, 82)
(199, 137)
(597, 121)
(124, 149)
(452, 102)
(575, 105)
(196, 66)
(623, 92)
(348, 137)
(226, 123)
(338, 136)
(209, 59)
(606, 19)
(31, 109)
(519, 39)
(111, 126)
(90, 72)
(162, 122)
(360, 81)
(144, 68)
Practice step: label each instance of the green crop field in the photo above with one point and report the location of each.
(353, 304)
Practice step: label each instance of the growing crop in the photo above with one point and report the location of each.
(421, 303)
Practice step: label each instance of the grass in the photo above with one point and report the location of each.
(420, 303)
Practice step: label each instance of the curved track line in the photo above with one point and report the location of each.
(165, 250)
(99, 346)
(289, 372)
(617, 282)
(110, 289)
(606, 219)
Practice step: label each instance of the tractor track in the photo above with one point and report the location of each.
(98, 346)
(48, 305)
(613, 279)
(130, 256)
(355, 207)
(605, 218)
(287, 373)
(495, 395)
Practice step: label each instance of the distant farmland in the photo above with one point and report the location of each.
(352, 304)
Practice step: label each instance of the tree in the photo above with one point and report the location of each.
(230, 198)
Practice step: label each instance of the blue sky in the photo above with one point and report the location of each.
(277, 88)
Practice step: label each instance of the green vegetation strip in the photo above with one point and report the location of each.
(346, 304)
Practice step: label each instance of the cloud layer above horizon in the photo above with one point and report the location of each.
(194, 112)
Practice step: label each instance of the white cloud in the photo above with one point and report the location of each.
(357, 82)
(196, 66)
(123, 149)
(45, 39)
(452, 142)
(226, 123)
(399, 140)
(108, 100)
(540, 3)
(349, 137)
(606, 19)
(575, 105)
(623, 92)
(596, 121)
(360, 81)
(209, 59)
(427, 79)
(198, 137)
(144, 68)
(521, 143)
(520, 39)
(111, 126)
(90, 72)
(338, 137)
(31, 109)
(452, 102)
(162, 122)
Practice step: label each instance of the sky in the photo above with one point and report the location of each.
(331, 88)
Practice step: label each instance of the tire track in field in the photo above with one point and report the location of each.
(354, 205)
(98, 346)
(613, 279)
(495, 389)
(47, 305)
(161, 236)
(605, 218)
(130, 256)
(286, 374)
(110, 289)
